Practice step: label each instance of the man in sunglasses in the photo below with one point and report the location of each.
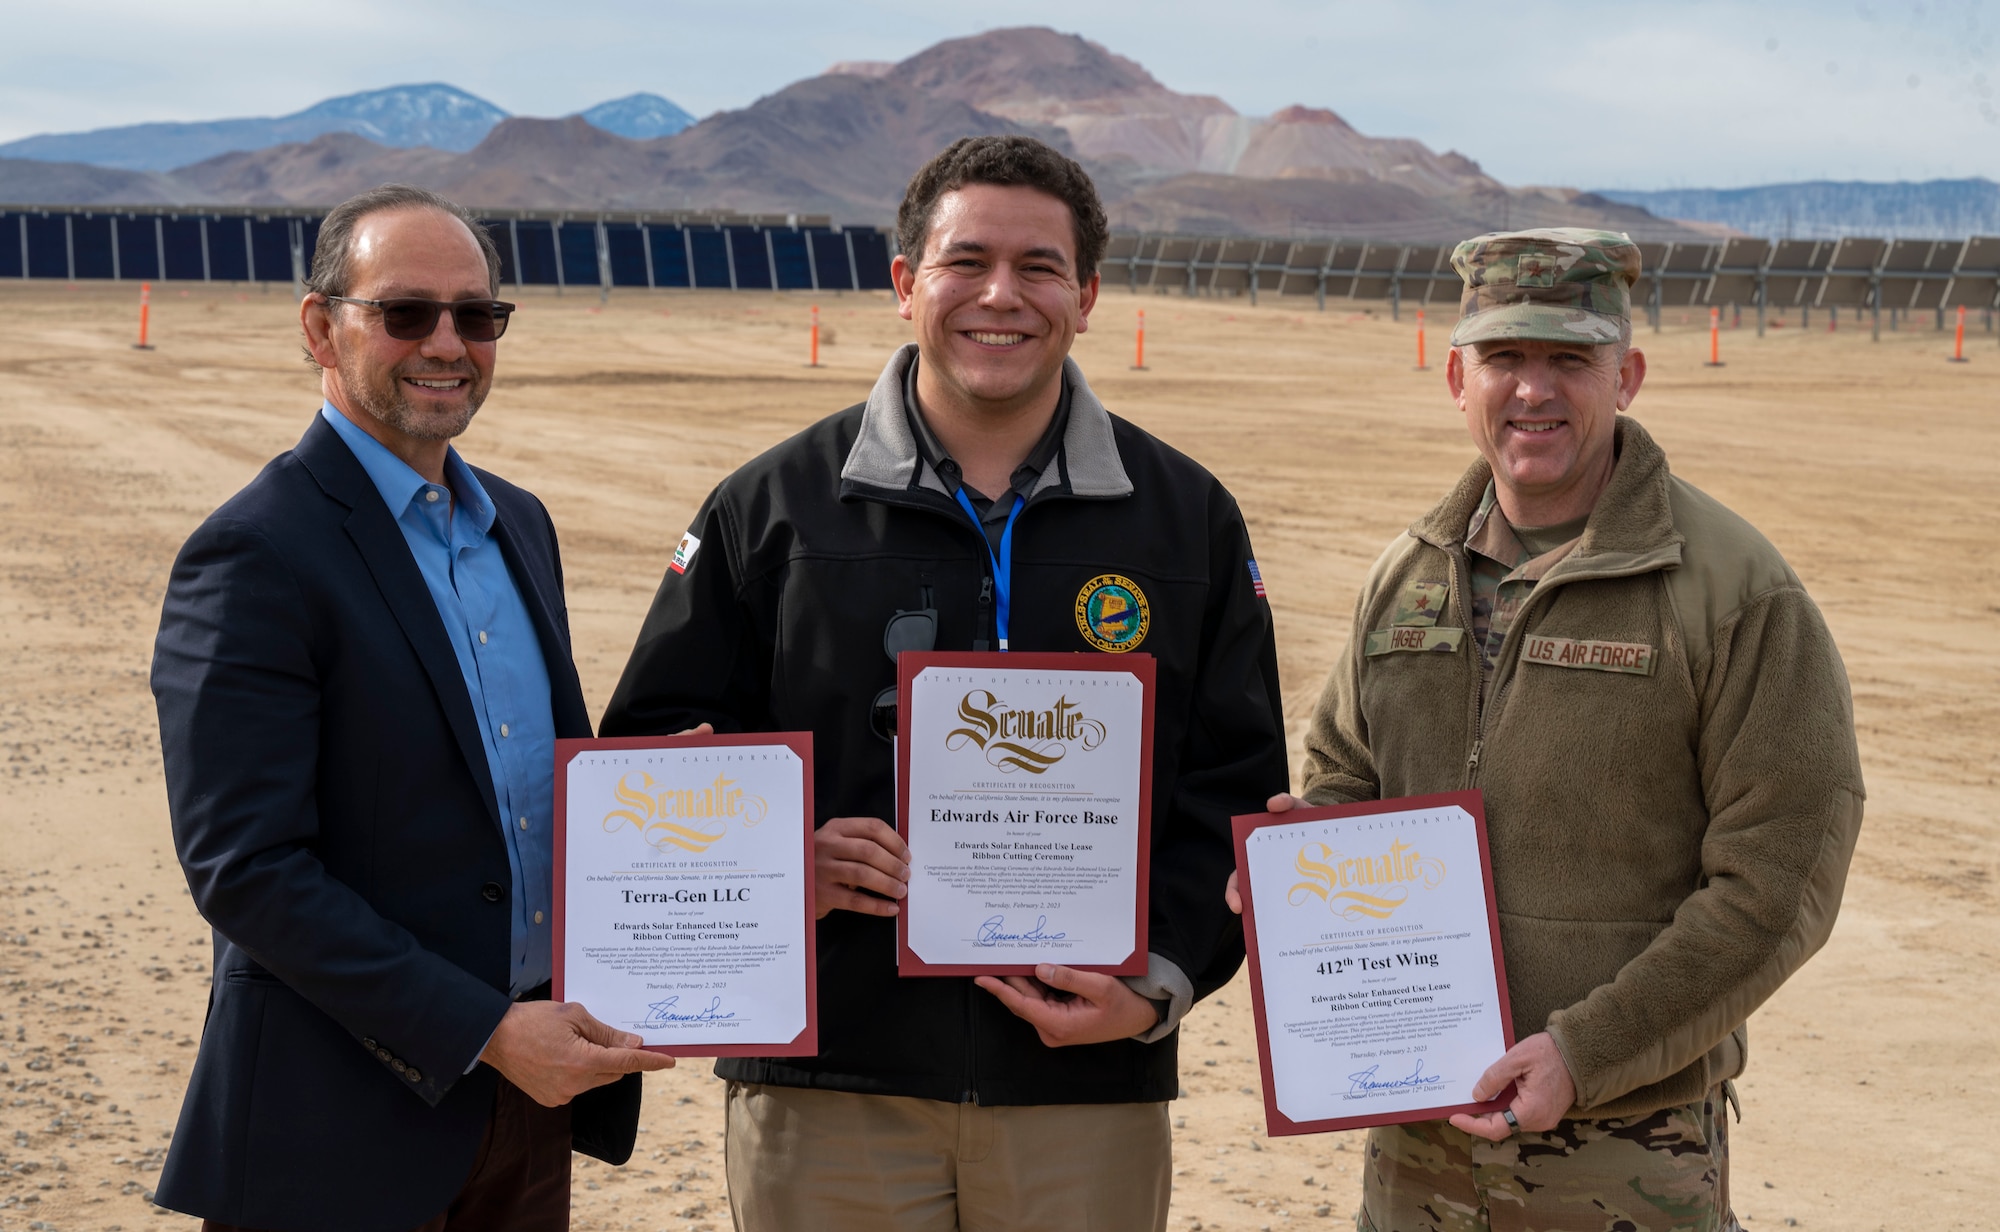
(362, 667)
(981, 498)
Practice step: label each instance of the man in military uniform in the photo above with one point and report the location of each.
(1662, 730)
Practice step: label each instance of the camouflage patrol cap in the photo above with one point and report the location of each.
(1557, 284)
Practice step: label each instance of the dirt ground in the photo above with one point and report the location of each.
(1873, 466)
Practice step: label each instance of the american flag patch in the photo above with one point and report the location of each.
(1257, 581)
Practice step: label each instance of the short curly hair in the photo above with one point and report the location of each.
(1011, 160)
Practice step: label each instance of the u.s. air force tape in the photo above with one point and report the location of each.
(1629, 657)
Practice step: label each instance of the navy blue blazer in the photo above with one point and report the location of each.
(336, 820)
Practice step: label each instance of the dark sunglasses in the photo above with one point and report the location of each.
(413, 320)
(915, 630)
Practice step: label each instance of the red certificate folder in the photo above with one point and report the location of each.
(1276, 1122)
(1141, 666)
(806, 1043)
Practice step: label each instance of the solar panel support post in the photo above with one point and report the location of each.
(514, 242)
(812, 260)
(23, 220)
(646, 247)
(555, 243)
(1659, 296)
(1132, 265)
(1761, 298)
(729, 255)
(250, 256)
(1875, 305)
(687, 247)
(159, 248)
(603, 262)
(69, 246)
(116, 266)
(295, 239)
(201, 224)
(853, 269)
(771, 257)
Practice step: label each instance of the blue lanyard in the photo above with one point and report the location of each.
(1003, 564)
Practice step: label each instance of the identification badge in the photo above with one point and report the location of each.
(1414, 638)
(1631, 658)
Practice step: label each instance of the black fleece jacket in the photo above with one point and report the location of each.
(775, 623)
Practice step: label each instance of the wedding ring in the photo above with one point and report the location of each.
(1508, 1115)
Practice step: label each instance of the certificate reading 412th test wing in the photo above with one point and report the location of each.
(684, 890)
(1375, 967)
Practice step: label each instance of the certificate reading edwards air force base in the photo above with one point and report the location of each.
(1375, 966)
(1024, 789)
(684, 890)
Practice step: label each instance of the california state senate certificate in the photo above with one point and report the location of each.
(1024, 789)
(1375, 965)
(684, 890)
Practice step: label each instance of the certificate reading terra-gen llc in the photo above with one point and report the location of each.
(684, 890)
(1024, 794)
(1375, 968)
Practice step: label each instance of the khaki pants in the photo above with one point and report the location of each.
(828, 1160)
(1665, 1172)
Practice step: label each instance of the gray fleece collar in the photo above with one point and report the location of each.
(885, 453)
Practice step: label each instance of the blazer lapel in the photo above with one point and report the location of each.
(387, 555)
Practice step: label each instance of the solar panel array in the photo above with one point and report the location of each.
(1853, 273)
(791, 253)
(595, 252)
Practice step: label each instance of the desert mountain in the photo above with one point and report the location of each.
(843, 145)
(28, 179)
(1825, 209)
(846, 142)
(1117, 112)
(639, 116)
(437, 115)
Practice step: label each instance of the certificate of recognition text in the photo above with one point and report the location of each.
(684, 884)
(1375, 965)
(1024, 794)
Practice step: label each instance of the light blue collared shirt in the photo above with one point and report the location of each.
(500, 658)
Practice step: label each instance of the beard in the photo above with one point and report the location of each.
(380, 393)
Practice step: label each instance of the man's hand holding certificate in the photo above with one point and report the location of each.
(1375, 963)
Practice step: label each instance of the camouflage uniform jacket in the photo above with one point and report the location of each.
(1668, 760)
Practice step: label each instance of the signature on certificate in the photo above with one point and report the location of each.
(1366, 1080)
(993, 931)
(662, 1012)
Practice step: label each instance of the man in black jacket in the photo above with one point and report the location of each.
(983, 484)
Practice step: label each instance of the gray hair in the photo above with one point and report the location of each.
(333, 254)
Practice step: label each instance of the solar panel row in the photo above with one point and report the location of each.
(745, 253)
(565, 252)
(1853, 273)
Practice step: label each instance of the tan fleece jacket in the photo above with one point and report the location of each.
(1668, 761)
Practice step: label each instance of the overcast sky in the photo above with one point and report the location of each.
(1673, 93)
